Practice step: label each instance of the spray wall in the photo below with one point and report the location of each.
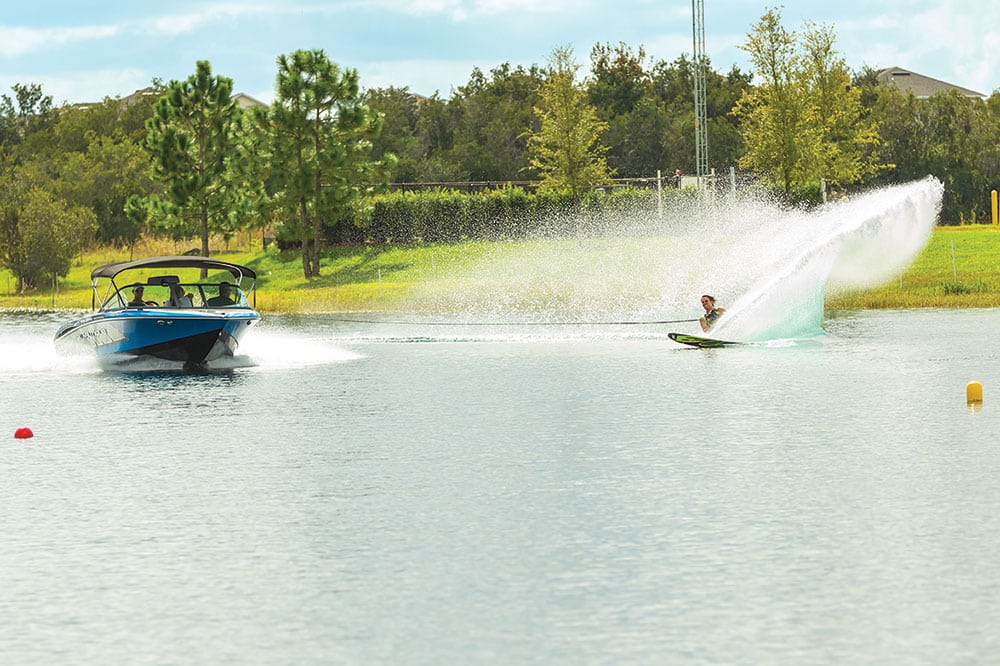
(768, 265)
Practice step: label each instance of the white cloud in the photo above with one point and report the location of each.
(461, 10)
(88, 86)
(18, 41)
(491, 7)
(949, 40)
(670, 46)
(179, 24)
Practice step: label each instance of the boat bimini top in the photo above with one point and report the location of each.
(160, 288)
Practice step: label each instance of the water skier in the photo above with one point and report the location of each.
(712, 313)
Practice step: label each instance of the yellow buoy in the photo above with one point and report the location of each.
(973, 393)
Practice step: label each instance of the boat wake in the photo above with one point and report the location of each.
(35, 355)
(262, 351)
(269, 349)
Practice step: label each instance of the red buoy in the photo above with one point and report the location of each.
(23, 433)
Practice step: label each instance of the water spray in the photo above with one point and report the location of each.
(770, 266)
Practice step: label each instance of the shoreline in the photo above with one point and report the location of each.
(955, 269)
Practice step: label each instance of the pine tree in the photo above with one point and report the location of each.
(321, 146)
(192, 140)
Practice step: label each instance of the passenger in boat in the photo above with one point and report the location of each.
(223, 299)
(712, 313)
(179, 298)
(137, 301)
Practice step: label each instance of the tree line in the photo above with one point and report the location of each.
(187, 161)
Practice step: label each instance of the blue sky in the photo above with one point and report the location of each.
(83, 51)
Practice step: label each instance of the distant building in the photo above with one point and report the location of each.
(919, 85)
(138, 95)
(245, 101)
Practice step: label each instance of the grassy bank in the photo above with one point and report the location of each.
(957, 269)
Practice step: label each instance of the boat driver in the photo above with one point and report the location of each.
(137, 301)
(224, 298)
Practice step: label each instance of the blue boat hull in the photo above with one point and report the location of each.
(191, 337)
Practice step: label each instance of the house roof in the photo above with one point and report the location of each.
(242, 99)
(921, 86)
(246, 101)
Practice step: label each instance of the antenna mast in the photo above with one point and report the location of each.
(700, 112)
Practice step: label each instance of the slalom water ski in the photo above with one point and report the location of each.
(700, 342)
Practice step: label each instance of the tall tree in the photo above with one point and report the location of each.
(951, 146)
(435, 136)
(321, 146)
(566, 150)
(91, 161)
(620, 89)
(804, 121)
(848, 137)
(778, 139)
(987, 165)
(192, 139)
(650, 114)
(101, 177)
(722, 93)
(673, 93)
(947, 135)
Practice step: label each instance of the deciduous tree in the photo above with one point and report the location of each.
(778, 138)
(848, 137)
(28, 112)
(566, 150)
(401, 110)
(91, 160)
(490, 115)
(39, 233)
(803, 121)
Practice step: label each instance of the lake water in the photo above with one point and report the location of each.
(378, 491)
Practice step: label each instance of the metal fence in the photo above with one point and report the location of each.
(676, 180)
(532, 185)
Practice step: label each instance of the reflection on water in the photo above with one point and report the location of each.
(385, 493)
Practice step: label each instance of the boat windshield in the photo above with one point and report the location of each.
(171, 294)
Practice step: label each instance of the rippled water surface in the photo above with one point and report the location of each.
(392, 492)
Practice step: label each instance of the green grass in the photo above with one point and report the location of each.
(936, 280)
(378, 278)
(428, 276)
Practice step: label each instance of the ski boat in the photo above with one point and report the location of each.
(161, 307)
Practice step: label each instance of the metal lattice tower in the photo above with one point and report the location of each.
(700, 112)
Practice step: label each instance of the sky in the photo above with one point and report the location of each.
(83, 51)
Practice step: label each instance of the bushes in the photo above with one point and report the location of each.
(442, 215)
(445, 216)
